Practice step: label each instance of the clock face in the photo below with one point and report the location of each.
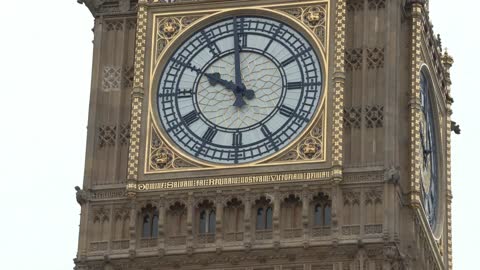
(428, 171)
(239, 90)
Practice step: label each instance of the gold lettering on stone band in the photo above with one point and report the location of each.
(239, 180)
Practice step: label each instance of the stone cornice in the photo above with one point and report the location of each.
(110, 7)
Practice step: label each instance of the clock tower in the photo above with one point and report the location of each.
(266, 135)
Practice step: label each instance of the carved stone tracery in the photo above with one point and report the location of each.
(168, 28)
(374, 116)
(352, 117)
(110, 135)
(113, 25)
(311, 147)
(314, 17)
(376, 4)
(353, 59)
(112, 78)
(351, 197)
(121, 213)
(101, 214)
(355, 5)
(375, 57)
(107, 135)
(161, 157)
(373, 196)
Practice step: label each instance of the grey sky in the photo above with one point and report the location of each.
(45, 61)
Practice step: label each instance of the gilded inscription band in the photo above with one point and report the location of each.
(240, 180)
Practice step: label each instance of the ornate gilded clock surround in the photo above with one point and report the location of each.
(168, 28)
(421, 62)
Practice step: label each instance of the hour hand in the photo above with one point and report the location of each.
(215, 78)
(248, 93)
(239, 92)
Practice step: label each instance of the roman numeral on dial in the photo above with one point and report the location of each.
(286, 111)
(213, 46)
(277, 31)
(209, 134)
(288, 61)
(243, 41)
(237, 139)
(184, 93)
(294, 85)
(241, 33)
(294, 57)
(266, 132)
(191, 117)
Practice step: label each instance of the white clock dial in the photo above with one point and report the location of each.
(239, 90)
(428, 154)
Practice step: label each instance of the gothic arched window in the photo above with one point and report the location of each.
(203, 222)
(268, 218)
(233, 216)
(207, 218)
(146, 232)
(322, 215)
(260, 215)
(264, 212)
(211, 222)
(176, 220)
(318, 217)
(149, 222)
(291, 212)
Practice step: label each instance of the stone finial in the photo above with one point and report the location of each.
(447, 60)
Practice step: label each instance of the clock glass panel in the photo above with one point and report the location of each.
(429, 171)
(239, 90)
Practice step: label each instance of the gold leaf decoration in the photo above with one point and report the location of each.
(161, 157)
(168, 28)
(314, 17)
(311, 147)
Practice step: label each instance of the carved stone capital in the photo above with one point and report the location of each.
(391, 253)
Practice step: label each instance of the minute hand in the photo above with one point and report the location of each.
(236, 41)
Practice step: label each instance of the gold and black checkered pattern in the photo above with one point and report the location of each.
(447, 62)
(339, 83)
(140, 47)
(137, 94)
(415, 109)
(449, 189)
(135, 121)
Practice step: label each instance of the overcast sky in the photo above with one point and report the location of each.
(46, 53)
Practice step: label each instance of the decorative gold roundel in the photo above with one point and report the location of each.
(239, 90)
